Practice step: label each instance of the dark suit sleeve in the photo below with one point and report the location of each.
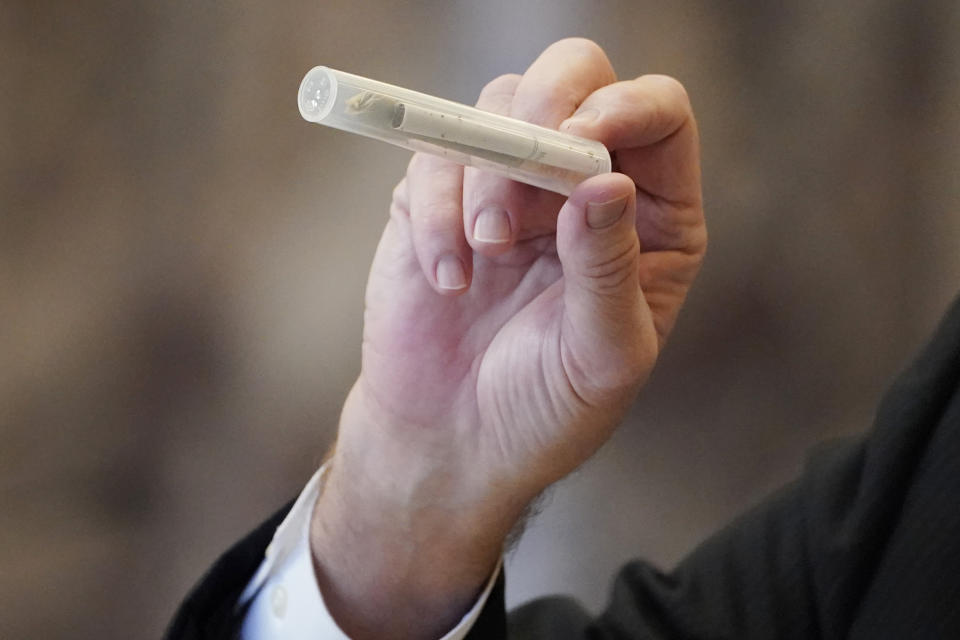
(865, 544)
(210, 609)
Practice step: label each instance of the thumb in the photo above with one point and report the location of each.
(607, 335)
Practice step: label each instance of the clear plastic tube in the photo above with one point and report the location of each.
(519, 150)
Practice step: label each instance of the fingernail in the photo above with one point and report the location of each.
(492, 225)
(451, 274)
(580, 118)
(604, 214)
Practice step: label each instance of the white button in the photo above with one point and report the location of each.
(269, 552)
(278, 601)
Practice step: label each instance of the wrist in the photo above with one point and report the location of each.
(395, 571)
(402, 537)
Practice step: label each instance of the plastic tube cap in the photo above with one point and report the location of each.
(318, 93)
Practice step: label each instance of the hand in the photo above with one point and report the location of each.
(506, 332)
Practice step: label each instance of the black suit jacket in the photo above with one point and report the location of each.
(864, 545)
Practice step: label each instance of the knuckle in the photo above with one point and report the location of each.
(660, 104)
(581, 46)
(399, 200)
(590, 53)
(615, 375)
(610, 274)
(399, 211)
(671, 87)
(504, 84)
(399, 194)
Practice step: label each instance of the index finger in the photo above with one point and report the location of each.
(648, 124)
(559, 80)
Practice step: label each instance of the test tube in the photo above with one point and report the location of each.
(519, 150)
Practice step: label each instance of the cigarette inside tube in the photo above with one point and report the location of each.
(440, 134)
(519, 150)
(427, 123)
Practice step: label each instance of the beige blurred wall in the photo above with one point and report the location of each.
(182, 262)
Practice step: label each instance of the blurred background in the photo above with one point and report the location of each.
(182, 263)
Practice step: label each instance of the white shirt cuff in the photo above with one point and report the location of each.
(286, 601)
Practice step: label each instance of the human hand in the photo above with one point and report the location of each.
(507, 329)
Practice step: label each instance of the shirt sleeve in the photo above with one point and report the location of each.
(285, 600)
